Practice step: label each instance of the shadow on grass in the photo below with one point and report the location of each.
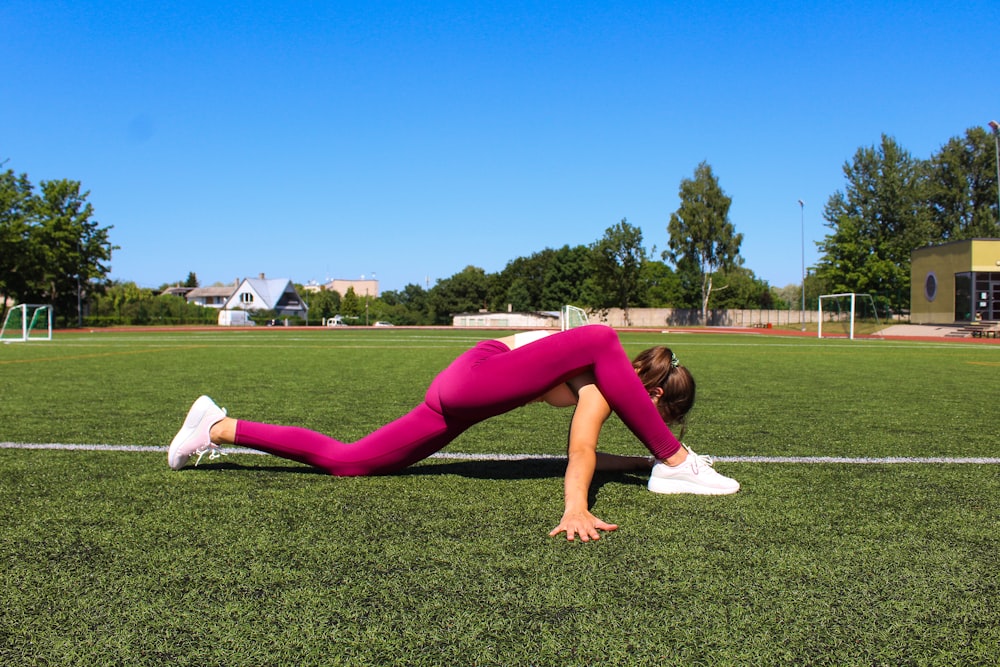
(520, 469)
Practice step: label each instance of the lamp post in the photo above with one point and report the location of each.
(996, 137)
(802, 216)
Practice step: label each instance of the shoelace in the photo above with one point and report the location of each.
(698, 460)
(213, 450)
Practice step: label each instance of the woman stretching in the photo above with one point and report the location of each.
(584, 367)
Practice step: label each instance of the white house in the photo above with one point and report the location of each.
(277, 294)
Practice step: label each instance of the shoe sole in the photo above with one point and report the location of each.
(677, 486)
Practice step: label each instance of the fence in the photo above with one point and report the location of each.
(679, 317)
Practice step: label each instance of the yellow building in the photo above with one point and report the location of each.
(955, 282)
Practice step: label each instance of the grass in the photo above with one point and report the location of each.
(111, 558)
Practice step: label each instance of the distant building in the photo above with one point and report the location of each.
(361, 287)
(955, 282)
(211, 297)
(178, 291)
(277, 294)
(507, 320)
(252, 294)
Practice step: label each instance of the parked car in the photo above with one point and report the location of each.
(384, 324)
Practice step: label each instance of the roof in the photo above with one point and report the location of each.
(214, 290)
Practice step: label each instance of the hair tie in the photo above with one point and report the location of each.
(674, 361)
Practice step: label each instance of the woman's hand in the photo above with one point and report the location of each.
(581, 523)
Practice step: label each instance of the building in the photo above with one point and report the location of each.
(507, 320)
(211, 297)
(278, 295)
(361, 287)
(955, 282)
(251, 294)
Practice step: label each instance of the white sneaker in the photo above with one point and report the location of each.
(193, 437)
(694, 475)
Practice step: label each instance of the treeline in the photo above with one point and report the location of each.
(52, 252)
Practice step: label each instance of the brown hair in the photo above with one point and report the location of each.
(657, 368)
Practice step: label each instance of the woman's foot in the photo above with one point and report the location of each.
(694, 474)
(193, 438)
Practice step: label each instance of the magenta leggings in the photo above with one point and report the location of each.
(483, 382)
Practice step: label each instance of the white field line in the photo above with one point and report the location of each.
(928, 460)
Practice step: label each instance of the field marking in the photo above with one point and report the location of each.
(462, 456)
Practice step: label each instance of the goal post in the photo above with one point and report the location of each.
(27, 321)
(571, 317)
(845, 307)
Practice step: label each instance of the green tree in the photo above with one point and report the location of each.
(565, 276)
(323, 304)
(466, 291)
(743, 290)
(17, 263)
(521, 283)
(962, 188)
(616, 263)
(661, 285)
(545, 280)
(351, 305)
(702, 239)
(192, 280)
(876, 221)
(408, 306)
(72, 248)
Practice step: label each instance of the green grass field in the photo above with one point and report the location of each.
(110, 558)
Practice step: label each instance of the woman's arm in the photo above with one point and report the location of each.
(590, 414)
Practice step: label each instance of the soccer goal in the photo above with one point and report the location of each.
(27, 321)
(571, 317)
(845, 313)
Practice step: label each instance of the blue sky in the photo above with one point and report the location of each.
(315, 140)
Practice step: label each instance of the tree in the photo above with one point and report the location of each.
(464, 292)
(323, 304)
(616, 261)
(661, 286)
(408, 306)
(702, 239)
(16, 261)
(744, 290)
(962, 188)
(546, 280)
(565, 277)
(71, 249)
(876, 222)
(351, 304)
(192, 280)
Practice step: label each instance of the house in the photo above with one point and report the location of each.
(955, 282)
(275, 294)
(211, 297)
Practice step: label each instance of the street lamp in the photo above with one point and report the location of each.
(802, 211)
(996, 137)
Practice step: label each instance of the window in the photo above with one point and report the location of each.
(246, 297)
(930, 286)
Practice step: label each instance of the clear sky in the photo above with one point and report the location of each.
(315, 140)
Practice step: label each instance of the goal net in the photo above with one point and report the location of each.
(27, 321)
(571, 317)
(847, 314)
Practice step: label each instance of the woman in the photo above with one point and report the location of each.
(584, 367)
